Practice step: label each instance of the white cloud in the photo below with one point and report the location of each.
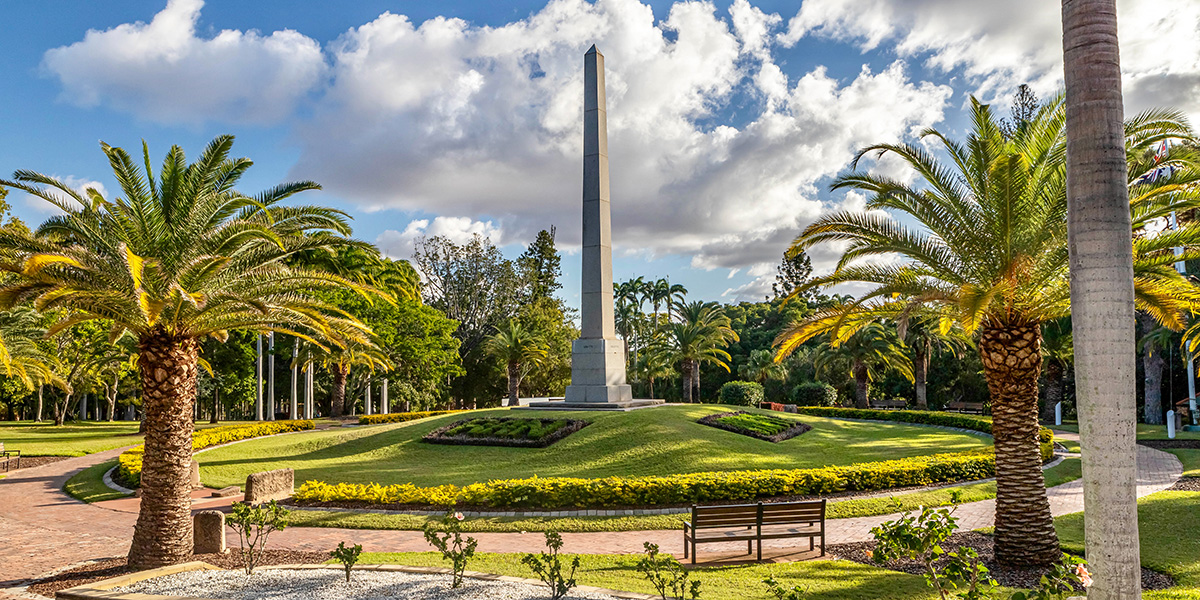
(400, 244)
(79, 184)
(164, 72)
(999, 45)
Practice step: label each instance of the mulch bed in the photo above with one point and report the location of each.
(438, 436)
(1187, 484)
(1017, 578)
(786, 434)
(113, 567)
(1172, 444)
(29, 462)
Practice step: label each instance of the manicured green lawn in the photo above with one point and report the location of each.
(1191, 461)
(88, 484)
(75, 439)
(1144, 431)
(823, 579)
(657, 441)
(1167, 523)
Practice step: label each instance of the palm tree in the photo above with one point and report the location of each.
(177, 258)
(340, 358)
(761, 366)
(519, 348)
(925, 339)
(689, 345)
(653, 365)
(1058, 352)
(1102, 291)
(711, 321)
(868, 353)
(984, 245)
(1155, 339)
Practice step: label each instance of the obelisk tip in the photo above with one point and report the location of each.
(593, 50)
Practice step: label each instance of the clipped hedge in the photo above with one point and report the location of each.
(567, 492)
(402, 417)
(129, 463)
(924, 417)
(741, 393)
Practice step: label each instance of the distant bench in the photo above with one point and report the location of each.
(890, 404)
(754, 523)
(965, 407)
(8, 455)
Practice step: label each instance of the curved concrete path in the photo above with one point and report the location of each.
(41, 528)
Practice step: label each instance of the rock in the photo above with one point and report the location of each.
(195, 475)
(270, 485)
(208, 532)
(226, 492)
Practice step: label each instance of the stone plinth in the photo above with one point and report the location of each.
(194, 475)
(208, 530)
(270, 485)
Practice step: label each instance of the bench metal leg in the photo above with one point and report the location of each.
(822, 542)
(693, 551)
(749, 546)
(685, 546)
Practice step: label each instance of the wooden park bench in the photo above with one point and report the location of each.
(966, 407)
(896, 403)
(8, 455)
(754, 523)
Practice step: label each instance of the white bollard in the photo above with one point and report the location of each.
(1058, 413)
(1171, 424)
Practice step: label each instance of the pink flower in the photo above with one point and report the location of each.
(459, 516)
(1085, 578)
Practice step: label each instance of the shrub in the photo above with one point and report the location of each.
(741, 393)
(505, 431)
(924, 417)
(253, 523)
(129, 463)
(764, 427)
(563, 492)
(402, 417)
(666, 575)
(448, 540)
(347, 555)
(549, 568)
(815, 393)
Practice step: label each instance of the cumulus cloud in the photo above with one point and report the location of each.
(999, 45)
(400, 244)
(165, 72)
(79, 184)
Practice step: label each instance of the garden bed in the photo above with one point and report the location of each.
(1171, 444)
(505, 431)
(764, 427)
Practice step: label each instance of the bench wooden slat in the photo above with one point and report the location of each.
(755, 522)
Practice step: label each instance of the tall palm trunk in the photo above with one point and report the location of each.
(1012, 361)
(1101, 259)
(861, 380)
(40, 404)
(337, 394)
(163, 534)
(651, 387)
(112, 398)
(1152, 364)
(920, 372)
(514, 383)
(687, 380)
(696, 381)
(1054, 389)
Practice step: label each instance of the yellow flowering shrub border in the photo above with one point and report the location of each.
(129, 463)
(403, 416)
(568, 492)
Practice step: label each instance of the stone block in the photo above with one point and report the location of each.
(194, 475)
(270, 485)
(226, 492)
(208, 532)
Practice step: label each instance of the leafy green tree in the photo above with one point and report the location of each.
(518, 348)
(553, 323)
(984, 244)
(541, 266)
(792, 272)
(176, 258)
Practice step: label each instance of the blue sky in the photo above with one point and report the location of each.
(727, 119)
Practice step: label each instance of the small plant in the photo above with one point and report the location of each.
(253, 524)
(1060, 581)
(348, 556)
(549, 568)
(668, 577)
(919, 537)
(448, 540)
(782, 593)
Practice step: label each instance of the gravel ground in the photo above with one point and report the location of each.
(1017, 578)
(329, 584)
(29, 462)
(1171, 444)
(1187, 484)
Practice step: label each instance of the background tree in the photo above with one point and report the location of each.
(541, 266)
(554, 323)
(868, 353)
(762, 367)
(1058, 352)
(925, 339)
(177, 258)
(1154, 343)
(517, 348)
(793, 272)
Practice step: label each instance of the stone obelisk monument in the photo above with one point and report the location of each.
(597, 357)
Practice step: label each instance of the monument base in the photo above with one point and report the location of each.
(626, 405)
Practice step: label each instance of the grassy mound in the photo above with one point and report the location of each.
(764, 427)
(659, 441)
(505, 431)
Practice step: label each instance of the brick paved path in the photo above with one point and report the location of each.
(41, 528)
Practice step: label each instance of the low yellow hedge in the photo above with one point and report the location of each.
(129, 463)
(562, 492)
(402, 417)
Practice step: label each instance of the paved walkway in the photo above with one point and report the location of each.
(41, 528)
